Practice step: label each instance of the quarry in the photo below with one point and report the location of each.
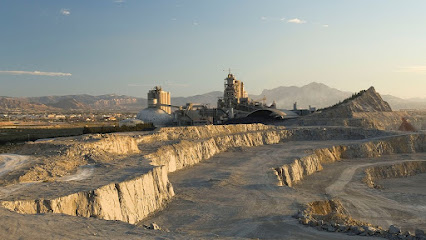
(352, 171)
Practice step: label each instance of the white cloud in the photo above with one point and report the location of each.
(325, 25)
(65, 12)
(195, 23)
(120, 1)
(36, 73)
(282, 19)
(412, 69)
(173, 19)
(296, 20)
(263, 18)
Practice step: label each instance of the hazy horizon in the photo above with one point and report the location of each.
(213, 90)
(126, 47)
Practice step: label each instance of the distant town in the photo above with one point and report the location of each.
(54, 118)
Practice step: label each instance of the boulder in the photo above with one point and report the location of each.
(153, 226)
(419, 233)
(331, 228)
(343, 228)
(394, 230)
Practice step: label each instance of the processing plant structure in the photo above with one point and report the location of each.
(235, 104)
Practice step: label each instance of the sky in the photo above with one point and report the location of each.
(59, 47)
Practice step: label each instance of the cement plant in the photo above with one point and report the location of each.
(234, 107)
(240, 170)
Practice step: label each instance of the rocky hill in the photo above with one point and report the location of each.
(364, 101)
(70, 104)
(365, 109)
(21, 104)
(101, 102)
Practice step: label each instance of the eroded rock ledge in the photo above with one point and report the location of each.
(128, 201)
(398, 170)
(290, 174)
(331, 216)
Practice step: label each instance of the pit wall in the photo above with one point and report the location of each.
(187, 153)
(330, 216)
(405, 169)
(131, 201)
(371, 120)
(290, 174)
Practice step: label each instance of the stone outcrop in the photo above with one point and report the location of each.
(406, 126)
(398, 170)
(330, 216)
(289, 174)
(129, 201)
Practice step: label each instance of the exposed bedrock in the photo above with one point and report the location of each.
(331, 216)
(290, 174)
(372, 120)
(129, 201)
(168, 149)
(398, 170)
(187, 153)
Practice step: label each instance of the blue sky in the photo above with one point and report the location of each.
(57, 47)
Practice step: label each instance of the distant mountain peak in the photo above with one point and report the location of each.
(316, 84)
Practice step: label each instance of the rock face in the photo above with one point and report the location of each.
(398, 170)
(331, 216)
(128, 201)
(168, 150)
(187, 153)
(290, 174)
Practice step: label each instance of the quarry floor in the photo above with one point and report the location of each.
(235, 195)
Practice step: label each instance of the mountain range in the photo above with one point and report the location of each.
(314, 94)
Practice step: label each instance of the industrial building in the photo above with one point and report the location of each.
(157, 98)
(235, 104)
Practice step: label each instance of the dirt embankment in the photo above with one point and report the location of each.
(398, 170)
(290, 174)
